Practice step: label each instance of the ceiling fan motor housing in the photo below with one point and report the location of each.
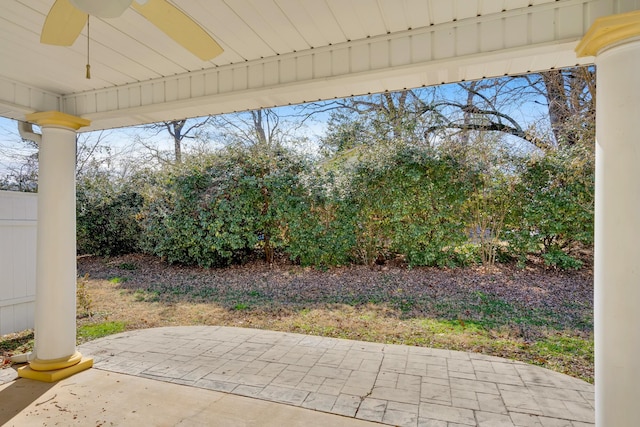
(102, 8)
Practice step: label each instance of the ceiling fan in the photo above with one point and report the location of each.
(67, 18)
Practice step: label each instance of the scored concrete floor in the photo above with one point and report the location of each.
(101, 398)
(351, 381)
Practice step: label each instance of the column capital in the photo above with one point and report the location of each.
(57, 119)
(607, 31)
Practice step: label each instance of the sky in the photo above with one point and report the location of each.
(13, 150)
(121, 141)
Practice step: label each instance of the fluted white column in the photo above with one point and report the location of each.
(615, 42)
(55, 308)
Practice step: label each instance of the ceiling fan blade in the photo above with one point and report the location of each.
(63, 24)
(180, 27)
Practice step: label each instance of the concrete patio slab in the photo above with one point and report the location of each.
(306, 378)
(102, 398)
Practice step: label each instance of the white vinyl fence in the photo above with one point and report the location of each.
(18, 218)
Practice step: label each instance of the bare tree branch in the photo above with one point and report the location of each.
(176, 129)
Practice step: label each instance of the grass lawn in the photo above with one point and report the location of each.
(535, 315)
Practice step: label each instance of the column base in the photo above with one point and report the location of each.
(53, 375)
(53, 364)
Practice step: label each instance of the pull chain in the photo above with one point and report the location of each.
(88, 40)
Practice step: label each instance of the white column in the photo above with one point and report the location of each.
(55, 307)
(615, 41)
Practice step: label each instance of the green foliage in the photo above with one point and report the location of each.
(128, 266)
(106, 215)
(466, 254)
(382, 194)
(553, 206)
(83, 299)
(554, 256)
(426, 206)
(223, 207)
(409, 202)
(489, 160)
(322, 230)
(344, 132)
(411, 205)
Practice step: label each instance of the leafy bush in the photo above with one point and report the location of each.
(558, 258)
(411, 205)
(106, 211)
(465, 254)
(427, 206)
(224, 207)
(321, 230)
(553, 205)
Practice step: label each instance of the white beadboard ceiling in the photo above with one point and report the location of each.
(279, 52)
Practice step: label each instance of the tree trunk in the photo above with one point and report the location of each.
(176, 132)
(259, 127)
(559, 109)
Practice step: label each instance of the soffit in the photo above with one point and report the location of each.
(279, 52)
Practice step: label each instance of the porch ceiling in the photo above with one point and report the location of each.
(279, 52)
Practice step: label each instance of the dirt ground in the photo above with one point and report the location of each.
(537, 315)
(566, 298)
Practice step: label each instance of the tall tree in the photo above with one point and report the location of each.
(452, 112)
(395, 117)
(479, 106)
(258, 128)
(493, 105)
(179, 130)
(571, 101)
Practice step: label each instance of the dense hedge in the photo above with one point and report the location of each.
(322, 231)
(222, 208)
(106, 215)
(552, 207)
(411, 203)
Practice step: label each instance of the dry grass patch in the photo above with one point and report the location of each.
(535, 315)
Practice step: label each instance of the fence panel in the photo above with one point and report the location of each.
(18, 219)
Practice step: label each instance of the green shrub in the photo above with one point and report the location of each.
(553, 206)
(224, 207)
(321, 231)
(557, 258)
(465, 254)
(106, 211)
(411, 205)
(380, 201)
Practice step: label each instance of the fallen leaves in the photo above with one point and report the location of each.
(506, 312)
